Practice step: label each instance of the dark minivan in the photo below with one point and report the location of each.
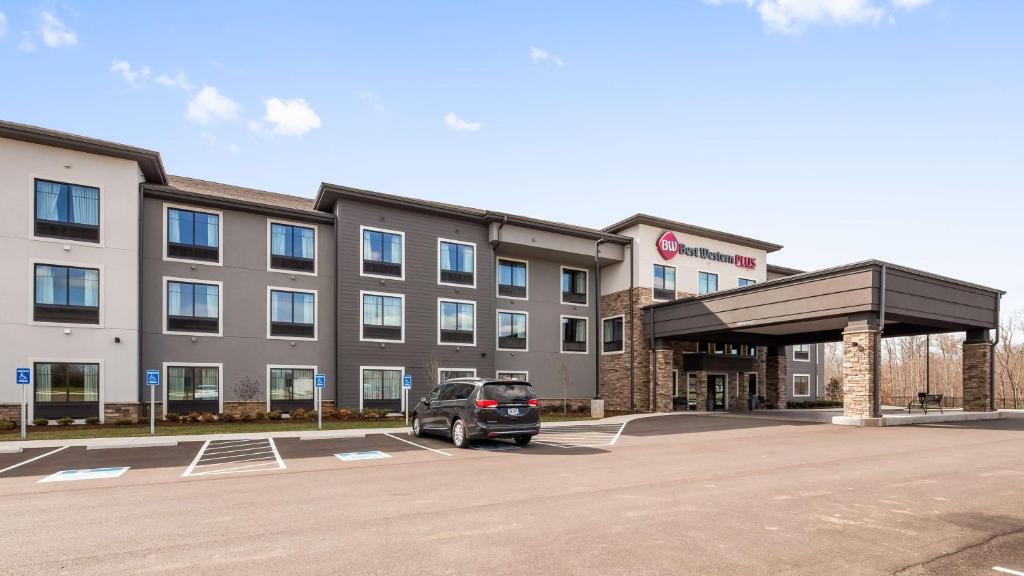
(467, 409)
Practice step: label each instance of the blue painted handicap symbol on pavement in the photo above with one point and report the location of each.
(23, 376)
(490, 446)
(368, 455)
(86, 474)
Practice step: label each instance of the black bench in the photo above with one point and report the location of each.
(924, 399)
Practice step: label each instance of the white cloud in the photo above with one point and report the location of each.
(792, 16)
(209, 105)
(292, 117)
(130, 75)
(26, 44)
(542, 55)
(179, 80)
(55, 33)
(3, 25)
(456, 123)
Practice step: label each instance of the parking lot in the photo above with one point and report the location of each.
(675, 494)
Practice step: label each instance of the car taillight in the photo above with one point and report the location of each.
(486, 403)
(533, 402)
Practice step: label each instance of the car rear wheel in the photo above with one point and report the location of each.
(459, 436)
(523, 440)
(417, 426)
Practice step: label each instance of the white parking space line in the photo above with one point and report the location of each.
(1007, 571)
(580, 436)
(417, 445)
(230, 456)
(30, 460)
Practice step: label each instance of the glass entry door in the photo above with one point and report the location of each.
(716, 392)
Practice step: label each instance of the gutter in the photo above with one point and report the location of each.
(138, 343)
(992, 357)
(337, 338)
(632, 329)
(599, 324)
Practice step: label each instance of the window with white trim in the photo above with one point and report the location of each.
(66, 294)
(664, 282)
(382, 253)
(707, 282)
(457, 262)
(574, 334)
(801, 385)
(292, 247)
(67, 211)
(292, 314)
(457, 322)
(382, 317)
(512, 278)
(574, 286)
(512, 330)
(612, 334)
(193, 307)
(193, 235)
(802, 352)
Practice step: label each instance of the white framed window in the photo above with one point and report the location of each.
(381, 253)
(292, 314)
(63, 386)
(707, 282)
(513, 333)
(193, 307)
(456, 263)
(574, 334)
(613, 334)
(67, 212)
(523, 375)
(381, 317)
(513, 278)
(456, 322)
(290, 386)
(66, 294)
(381, 387)
(801, 385)
(292, 247)
(574, 286)
(186, 383)
(802, 353)
(664, 282)
(193, 234)
(446, 374)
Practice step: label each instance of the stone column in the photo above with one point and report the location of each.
(739, 402)
(775, 381)
(663, 364)
(702, 391)
(860, 353)
(977, 358)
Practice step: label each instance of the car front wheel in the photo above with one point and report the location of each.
(459, 435)
(417, 426)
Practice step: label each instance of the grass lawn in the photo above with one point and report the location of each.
(176, 429)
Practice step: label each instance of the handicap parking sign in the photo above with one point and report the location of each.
(152, 377)
(407, 381)
(23, 376)
(320, 380)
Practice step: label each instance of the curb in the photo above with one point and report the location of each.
(137, 444)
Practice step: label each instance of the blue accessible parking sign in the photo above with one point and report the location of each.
(23, 376)
(407, 381)
(152, 377)
(320, 380)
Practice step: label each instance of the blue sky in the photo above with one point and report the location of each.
(843, 129)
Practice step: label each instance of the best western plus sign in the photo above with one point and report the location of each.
(669, 246)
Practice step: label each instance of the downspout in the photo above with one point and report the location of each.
(992, 357)
(138, 344)
(494, 273)
(337, 311)
(632, 333)
(654, 368)
(876, 383)
(599, 324)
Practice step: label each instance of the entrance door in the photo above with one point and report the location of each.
(752, 390)
(716, 392)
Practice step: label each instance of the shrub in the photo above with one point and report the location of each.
(275, 415)
(66, 421)
(207, 418)
(6, 424)
(227, 417)
(344, 414)
(261, 415)
(173, 417)
(373, 414)
(124, 422)
(330, 413)
(191, 417)
(297, 414)
(246, 416)
(92, 420)
(40, 422)
(311, 415)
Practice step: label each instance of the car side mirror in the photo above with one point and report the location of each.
(424, 400)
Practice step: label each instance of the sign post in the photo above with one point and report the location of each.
(406, 386)
(320, 382)
(23, 377)
(152, 380)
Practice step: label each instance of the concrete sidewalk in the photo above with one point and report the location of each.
(150, 441)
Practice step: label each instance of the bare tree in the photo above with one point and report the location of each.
(433, 370)
(563, 373)
(1010, 362)
(247, 389)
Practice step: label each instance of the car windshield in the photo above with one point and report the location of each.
(503, 392)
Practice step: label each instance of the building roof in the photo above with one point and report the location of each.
(691, 229)
(783, 270)
(148, 160)
(237, 197)
(330, 193)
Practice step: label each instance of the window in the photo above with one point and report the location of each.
(446, 374)
(66, 294)
(193, 388)
(512, 278)
(664, 282)
(292, 314)
(382, 388)
(512, 330)
(745, 282)
(67, 211)
(716, 348)
(574, 334)
(292, 247)
(291, 388)
(707, 283)
(193, 307)
(802, 352)
(611, 334)
(382, 253)
(692, 383)
(62, 382)
(574, 286)
(511, 375)
(193, 235)
(456, 262)
(801, 385)
(383, 317)
(456, 322)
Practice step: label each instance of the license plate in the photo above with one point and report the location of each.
(512, 411)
